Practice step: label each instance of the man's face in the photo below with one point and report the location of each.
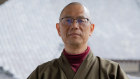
(74, 34)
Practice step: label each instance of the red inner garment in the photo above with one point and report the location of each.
(75, 60)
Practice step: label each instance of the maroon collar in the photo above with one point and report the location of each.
(76, 59)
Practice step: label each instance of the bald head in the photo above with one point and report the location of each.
(74, 7)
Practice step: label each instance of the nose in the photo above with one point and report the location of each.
(75, 24)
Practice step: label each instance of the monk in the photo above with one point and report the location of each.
(77, 60)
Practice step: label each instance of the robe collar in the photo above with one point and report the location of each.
(84, 67)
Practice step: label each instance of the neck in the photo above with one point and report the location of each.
(75, 49)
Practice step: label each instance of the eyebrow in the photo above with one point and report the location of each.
(72, 17)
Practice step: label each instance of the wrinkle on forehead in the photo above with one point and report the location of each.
(86, 11)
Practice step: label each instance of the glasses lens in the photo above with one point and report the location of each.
(82, 21)
(67, 21)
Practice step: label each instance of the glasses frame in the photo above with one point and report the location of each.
(73, 21)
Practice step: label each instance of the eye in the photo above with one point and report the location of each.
(68, 20)
(80, 20)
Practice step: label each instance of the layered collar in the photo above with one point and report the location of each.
(84, 67)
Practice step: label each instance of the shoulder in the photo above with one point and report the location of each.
(49, 63)
(106, 61)
(106, 64)
(111, 69)
(48, 66)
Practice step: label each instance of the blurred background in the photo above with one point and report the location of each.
(28, 35)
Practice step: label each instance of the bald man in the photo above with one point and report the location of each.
(77, 60)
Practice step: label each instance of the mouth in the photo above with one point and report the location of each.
(74, 34)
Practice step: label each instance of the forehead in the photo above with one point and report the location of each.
(75, 10)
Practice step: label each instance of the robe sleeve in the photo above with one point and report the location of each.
(121, 74)
(38, 73)
(34, 74)
(111, 70)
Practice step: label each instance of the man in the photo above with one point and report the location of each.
(77, 60)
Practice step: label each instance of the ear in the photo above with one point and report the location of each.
(58, 28)
(91, 29)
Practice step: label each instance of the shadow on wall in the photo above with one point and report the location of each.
(5, 74)
(2, 1)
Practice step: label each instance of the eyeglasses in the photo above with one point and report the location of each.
(69, 21)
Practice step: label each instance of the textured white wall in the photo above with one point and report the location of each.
(28, 36)
(130, 66)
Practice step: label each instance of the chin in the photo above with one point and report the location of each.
(75, 43)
